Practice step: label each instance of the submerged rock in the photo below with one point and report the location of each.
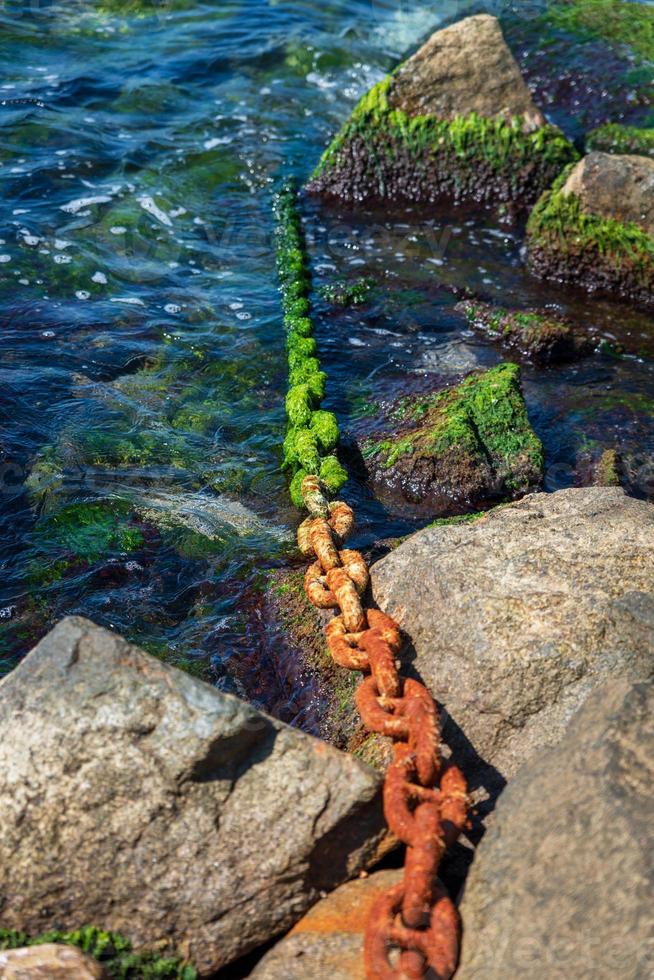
(49, 961)
(142, 800)
(542, 336)
(596, 227)
(456, 120)
(328, 940)
(457, 449)
(517, 616)
(561, 885)
(615, 138)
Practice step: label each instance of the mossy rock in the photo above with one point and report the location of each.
(457, 450)
(344, 294)
(569, 242)
(419, 136)
(540, 335)
(615, 138)
(616, 21)
(110, 949)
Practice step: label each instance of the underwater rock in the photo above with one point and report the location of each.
(541, 335)
(138, 798)
(457, 449)
(561, 884)
(456, 120)
(328, 940)
(615, 138)
(49, 961)
(515, 617)
(595, 227)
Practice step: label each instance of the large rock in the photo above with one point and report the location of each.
(328, 941)
(141, 800)
(562, 884)
(48, 962)
(456, 120)
(456, 449)
(517, 616)
(596, 227)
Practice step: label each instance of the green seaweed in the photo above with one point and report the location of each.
(615, 21)
(616, 138)
(342, 293)
(86, 532)
(501, 145)
(109, 948)
(312, 433)
(484, 417)
(558, 224)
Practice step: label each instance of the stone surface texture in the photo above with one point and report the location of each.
(139, 799)
(48, 962)
(328, 941)
(465, 68)
(617, 187)
(515, 617)
(562, 884)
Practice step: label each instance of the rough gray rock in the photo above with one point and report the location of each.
(617, 187)
(517, 616)
(562, 884)
(141, 800)
(465, 68)
(48, 962)
(328, 941)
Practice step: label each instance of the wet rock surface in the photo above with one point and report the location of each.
(465, 68)
(328, 940)
(515, 617)
(540, 335)
(49, 962)
(148, 800)
(595, 227)
(456, 120)
(457, 449)
(620, 187)
(561, 884)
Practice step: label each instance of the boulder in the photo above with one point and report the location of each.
(455, 120)
(456, 449)
(540, 335)
(616, 138)
(595, 227)
(561, 885)
(141, 800)
(328, 940)
(48, 962)
(516, 616)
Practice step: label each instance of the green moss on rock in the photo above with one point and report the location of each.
(382, 152)
(615, 21)
(343, 293)
(458, 449)
(109, 948)
(540, 335)
(569, 244)
(615, 138)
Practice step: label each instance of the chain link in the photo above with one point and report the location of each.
(425, 804)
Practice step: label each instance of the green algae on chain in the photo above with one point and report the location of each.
(312, 432)
(571, 245)
(383, 152)
(109, 948)
(616, 138)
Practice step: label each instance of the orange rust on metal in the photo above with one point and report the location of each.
(426, 807)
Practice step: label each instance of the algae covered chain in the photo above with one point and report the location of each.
(425, 803)
(312, 433)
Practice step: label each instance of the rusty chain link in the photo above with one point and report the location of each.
(414, 929)
(425, 804)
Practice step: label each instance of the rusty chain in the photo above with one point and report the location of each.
(425, 803)
(414, 929)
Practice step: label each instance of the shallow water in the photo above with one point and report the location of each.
(143, 364)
